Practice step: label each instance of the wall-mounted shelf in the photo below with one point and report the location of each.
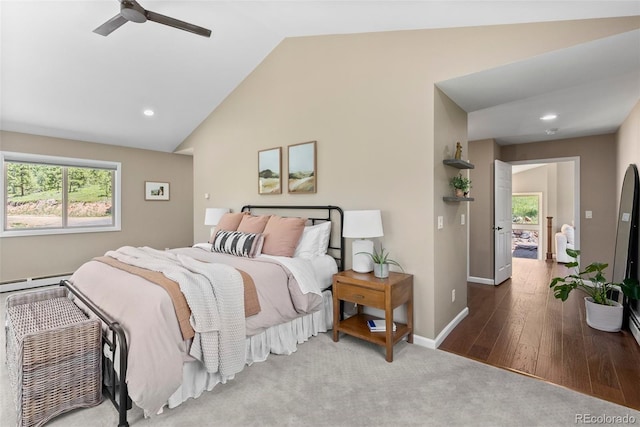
(458, 163)
(458, 199)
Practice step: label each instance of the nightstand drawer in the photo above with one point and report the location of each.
(359, 295)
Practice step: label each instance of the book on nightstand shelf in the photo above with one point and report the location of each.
(378, 325)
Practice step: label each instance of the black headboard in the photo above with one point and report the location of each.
(331, 213)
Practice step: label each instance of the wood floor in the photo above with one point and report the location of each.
(520, 326)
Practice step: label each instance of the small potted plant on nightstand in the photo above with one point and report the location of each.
(601, 312)
(461, 185)
(381, 262)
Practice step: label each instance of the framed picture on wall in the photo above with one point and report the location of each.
(302, 168)
(154, 190)
(270, 171)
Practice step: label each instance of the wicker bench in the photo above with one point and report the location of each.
(53, 355)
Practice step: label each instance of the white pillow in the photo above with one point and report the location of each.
(314, 240)
(325, 229)
(568, 231)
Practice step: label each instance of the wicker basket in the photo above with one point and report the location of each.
(53, 355)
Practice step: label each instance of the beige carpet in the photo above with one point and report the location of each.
(349, 383)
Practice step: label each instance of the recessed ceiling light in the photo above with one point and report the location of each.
(549, 117)
(148, 112)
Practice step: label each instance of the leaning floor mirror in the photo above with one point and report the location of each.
(625, 263)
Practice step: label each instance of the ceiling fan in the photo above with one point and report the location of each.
(130, 10)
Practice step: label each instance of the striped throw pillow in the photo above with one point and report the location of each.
(237, 243)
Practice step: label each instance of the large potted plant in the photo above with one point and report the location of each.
(381, 262)
(602, 313)
(461, 185)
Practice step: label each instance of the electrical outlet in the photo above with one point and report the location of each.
(462, 219)
(453, 295)
(440, 222)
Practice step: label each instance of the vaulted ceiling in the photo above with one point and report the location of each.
(60, 79)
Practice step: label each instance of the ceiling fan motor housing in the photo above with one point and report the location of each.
(133, 12)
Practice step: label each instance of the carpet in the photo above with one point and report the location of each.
(349, 383)
(521, 251)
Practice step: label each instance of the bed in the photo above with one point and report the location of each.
(178, 322)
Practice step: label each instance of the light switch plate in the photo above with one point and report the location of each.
(462, 219)
(588, 214)
(440, 222)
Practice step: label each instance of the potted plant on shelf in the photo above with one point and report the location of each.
(602, 313)
(381, 262)
(461, 185)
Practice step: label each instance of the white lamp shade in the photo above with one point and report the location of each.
(212, 215)
(362, 224)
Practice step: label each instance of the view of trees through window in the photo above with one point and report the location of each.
(50, 196)
(524, 208)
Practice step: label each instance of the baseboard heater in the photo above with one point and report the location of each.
(634, 325)
(21, 284)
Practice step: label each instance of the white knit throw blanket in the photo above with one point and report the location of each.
(215, 294)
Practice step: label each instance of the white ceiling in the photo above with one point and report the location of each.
(60, 79)
(591, 87)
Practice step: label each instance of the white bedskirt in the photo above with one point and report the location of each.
(280, 339)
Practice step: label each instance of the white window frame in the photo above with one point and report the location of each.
(7, 156)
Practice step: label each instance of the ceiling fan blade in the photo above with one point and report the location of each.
(176, 23)
(111, 25)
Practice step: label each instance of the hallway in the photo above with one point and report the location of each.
(520, 326)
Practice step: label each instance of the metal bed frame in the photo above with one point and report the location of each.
(114, 385)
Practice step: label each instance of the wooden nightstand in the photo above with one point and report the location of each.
(365, 289)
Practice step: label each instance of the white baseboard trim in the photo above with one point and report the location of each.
(480, 280)
(434, 344)
(32, 283)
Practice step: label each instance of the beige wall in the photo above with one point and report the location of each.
(481, 212)
(597, 187)
(451, 241)
(156, 224)
(565, 209)
(369, 101)
(628, 145)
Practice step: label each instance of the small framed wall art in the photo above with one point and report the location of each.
(302, 168)
(270, 171)
(154, 190)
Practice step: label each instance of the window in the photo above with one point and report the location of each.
(56, 195)
(525, 209)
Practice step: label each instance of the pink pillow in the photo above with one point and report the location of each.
(281, 235)
(229, 222)
(253, 224)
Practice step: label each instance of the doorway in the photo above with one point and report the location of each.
(527, 222)
(556, 183)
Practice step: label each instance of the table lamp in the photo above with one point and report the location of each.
(362, 225)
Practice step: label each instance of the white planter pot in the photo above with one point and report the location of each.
(381, 270)
(606, 318)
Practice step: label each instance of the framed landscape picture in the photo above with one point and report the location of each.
(156, 190)
(302, 168)
(269, 171)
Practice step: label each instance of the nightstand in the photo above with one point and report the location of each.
(365, 289)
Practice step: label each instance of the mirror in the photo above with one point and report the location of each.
(625, 263)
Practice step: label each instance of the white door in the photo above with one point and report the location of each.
(502, 221)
